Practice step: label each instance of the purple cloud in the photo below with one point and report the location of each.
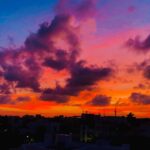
(144, 66)
(100, 100)
(23, 99)
(147, 72)
(5, 88)
(5, 99)
(140, 98)
(82, 78)
(54, 95)
(23, 67)
(139, 45)
(61, 60)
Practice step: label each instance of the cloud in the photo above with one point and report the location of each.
(144, 66)
(141, 67)
(140, 98)
(146, 72)
(23, 67)
(23, 99)
(81, 78)
(139, 45)
(43, 41)
(54, 95)
(140, 86)
(23, 78)
(100, 100)
(5, 99)
(81, 9)
(5, 88)
(60, 62)
(84, 77)
(25, 64)
(143, 86)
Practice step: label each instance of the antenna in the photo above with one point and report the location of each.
(115, 110)
(82, 109)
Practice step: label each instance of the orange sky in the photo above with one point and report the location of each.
(46, 74)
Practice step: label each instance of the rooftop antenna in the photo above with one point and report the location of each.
(115, 110)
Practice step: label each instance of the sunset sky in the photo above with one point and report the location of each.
(71, 56)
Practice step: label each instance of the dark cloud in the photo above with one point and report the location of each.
(23, 78)
(144, 66)
(61, 27)
(100, 100)
(18, 68)
(146, 72)
(25, 64)
(50, 56)
(140, 98)
(55, 95)
(84, 77)
(55, 64)
(23, 67)
(61, 60)
(23, 99)
(5, 88)
(139, 45)
(141, 67)
(5, 99)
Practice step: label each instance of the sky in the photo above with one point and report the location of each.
(66, 57)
